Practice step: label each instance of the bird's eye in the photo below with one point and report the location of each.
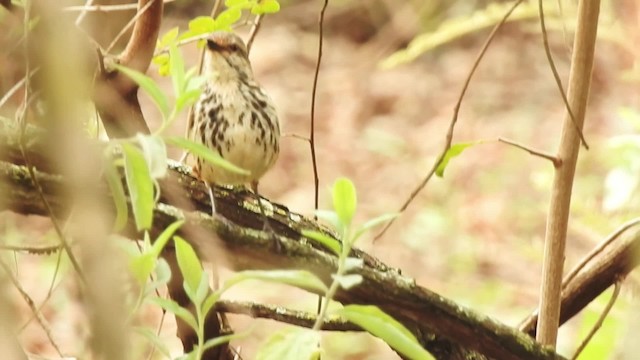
(234, 47)
(212, 45)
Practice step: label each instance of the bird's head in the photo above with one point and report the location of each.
(226, 57)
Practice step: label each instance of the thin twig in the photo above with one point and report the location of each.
(598, 249)
(52, 287)
(556, 76)
(183, 42)
(105, 8)
(296, 136)
(284, 315)
(556, 161)
(312, 133)
(452, 124)
(15, 88)
(83, 12)
(39, 250)
(598, 324)
(254, 31)
(32, 306)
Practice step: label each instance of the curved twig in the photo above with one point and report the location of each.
(556, 76)
(312, 133)
(454, 119)
(254, 31)
(598, 324)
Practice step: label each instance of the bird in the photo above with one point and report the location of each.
(234, 116)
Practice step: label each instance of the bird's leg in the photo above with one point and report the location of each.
(213, 202)
(183, 158)
(266, 225)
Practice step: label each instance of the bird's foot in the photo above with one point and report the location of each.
(267, 228)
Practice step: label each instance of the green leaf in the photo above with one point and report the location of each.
(141, 267)
(174, 308)
(139, 185)
(270, 6)
(163, 275)
(169, 38)
(155, 153)
(352, 263)
(149, 86)
(298, 278)
(210, 302)
(373, 223)
(188, 263)
(344, 200)
(176, 64)
(153, 338)
(290, 344)
(118, 195)
(162, 61)
(164, 237)
(383, 326)
(202, 25)
(223, 340)
(454, 150)
(228, 17)
(203, 288)
(330, 217)
(238, 3)
(465, 24)
(266, 7)
(187, 98)
(348, 281)
(324, 240)
(205, 153)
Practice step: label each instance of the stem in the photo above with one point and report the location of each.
(558, 217)
(201, 322)
(331, 292)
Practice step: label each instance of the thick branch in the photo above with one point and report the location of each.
(558, 216)
(116, 95)
(445, 328)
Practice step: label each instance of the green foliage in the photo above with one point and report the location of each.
(139, 184)
(455, 28)
(324, 240)
(186, 86)
(344, 200)
(621, 183)
(291, 344)
(148, 86)
(197, 289)
(453, 151)
(370, 318)
(155, 154)
(201, 26)
(298, 278)
(117, 193)
(605, 341)
(205, 153)
(379, 324)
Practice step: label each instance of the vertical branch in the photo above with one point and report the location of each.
(312, 133)
(116, 95)
(555, 239)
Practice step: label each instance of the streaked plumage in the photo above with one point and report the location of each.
(234, 116)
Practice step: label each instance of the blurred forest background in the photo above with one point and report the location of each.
(475, 235)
